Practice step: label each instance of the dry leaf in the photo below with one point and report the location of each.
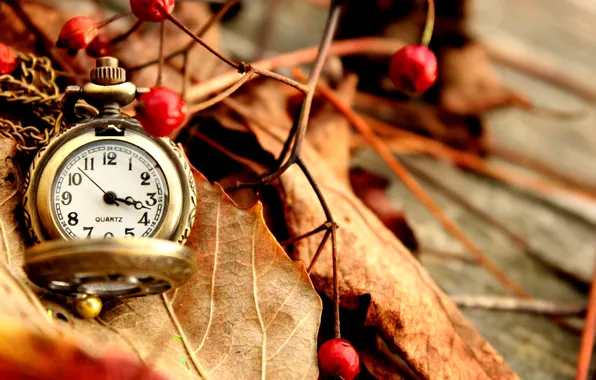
(411, 314)
(19, 302)
(25, 355)
(329, 125)
(249, 311)
(470, 86)
(371, 189)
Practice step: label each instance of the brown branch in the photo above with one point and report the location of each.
(211, 102)
(200, 33)
(203, 43)
(385, 153)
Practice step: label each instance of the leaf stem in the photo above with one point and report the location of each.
(110, 20)
(200, 41)
(427, 34)
(162, 32)
(201, 32)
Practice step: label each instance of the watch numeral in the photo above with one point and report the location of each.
(109, 158)
(129, 232)
(152, 200)
(108, 235)
(144, 219)
(89, 163)
(89, 229)
(73, 219)
(130, 163)
(66, 198)
(145, 177)
(74, 179)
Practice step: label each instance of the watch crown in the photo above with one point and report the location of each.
(107, 72)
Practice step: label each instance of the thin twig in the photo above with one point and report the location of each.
(216, 99)
(200, 41)
(323, 227)
(587, 342)
(162, 33)
(427, 34)
(110, 20)
(116, 40)
(533, 306)
(200, 33)
(361, 46)
(302, 122)
(385, 153)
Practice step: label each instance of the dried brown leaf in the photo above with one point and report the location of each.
(249, 311)
(470, 85)
(18, 300)
(329, 125)
(411, 314)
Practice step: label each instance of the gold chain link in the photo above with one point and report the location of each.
(31, 88)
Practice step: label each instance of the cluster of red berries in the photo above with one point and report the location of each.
(161, 110)
(83, 33)
(413, 69)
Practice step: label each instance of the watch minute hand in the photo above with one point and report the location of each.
(108, 197)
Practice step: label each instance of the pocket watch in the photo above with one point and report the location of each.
(108, 207)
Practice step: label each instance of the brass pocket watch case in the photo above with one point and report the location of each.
(107, 207)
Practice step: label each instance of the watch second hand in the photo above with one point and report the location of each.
(113, 198)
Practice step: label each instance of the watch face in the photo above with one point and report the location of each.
(109, 188)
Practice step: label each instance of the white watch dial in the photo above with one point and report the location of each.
(109, 188)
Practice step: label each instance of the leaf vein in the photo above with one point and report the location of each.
(211, 297)
(291, 335)
(256, 297)
(282, 305)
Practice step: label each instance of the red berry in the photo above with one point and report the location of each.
(152, 10)
(8, 62)
(160, 111)
(413, 69)
(77, 33)
(338, 358)
(100, 47)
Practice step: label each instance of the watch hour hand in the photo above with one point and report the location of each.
(131, 202)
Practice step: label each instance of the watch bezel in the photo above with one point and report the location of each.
(37, 200)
